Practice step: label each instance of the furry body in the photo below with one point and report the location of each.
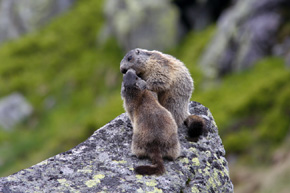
(165, 75)
(154, 129)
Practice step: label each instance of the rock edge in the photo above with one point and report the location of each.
(104, 163)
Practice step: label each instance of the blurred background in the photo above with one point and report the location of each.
(60, 79)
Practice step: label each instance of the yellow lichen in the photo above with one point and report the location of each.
(194, 190)
(224, 169)
(61, 181)
(96, 179)
(151, 183)
(42, 163)
(195, 161)
(139, 177)
(66, 183)
(216, 177)
(208, 153)
(11, 178)
(192, 149)
(211, 183)
(184, 160)
(156, 190)
(85, 170)
(91, 183)
(120, 161)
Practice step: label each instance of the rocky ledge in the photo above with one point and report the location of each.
(104, 163)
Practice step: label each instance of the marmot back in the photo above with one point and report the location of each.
(154, 129)
(170, 79)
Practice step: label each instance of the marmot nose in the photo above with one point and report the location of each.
(123, 70)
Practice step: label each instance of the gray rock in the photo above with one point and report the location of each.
(13, 109)
(197, 14)
(148, 24)
(18, 17)
(247, 32)
(103, 163)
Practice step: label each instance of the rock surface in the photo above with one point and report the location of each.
(13, 109)
(148, 24)
(196, 14)
(247, 32)
(18, 17)
(103, 163)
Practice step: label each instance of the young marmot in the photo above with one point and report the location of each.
(154, 129)
(170, 79)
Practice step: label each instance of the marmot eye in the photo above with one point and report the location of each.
(137, 52)
(129, 58)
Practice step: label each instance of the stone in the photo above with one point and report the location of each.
(148, 24)
(18, 17)
(104, 163)
(13, 109)
(247, 32)
(198, 14)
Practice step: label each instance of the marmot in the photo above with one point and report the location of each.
(154, 129)
(170, 79)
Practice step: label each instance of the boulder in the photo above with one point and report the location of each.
(18, 17)
(148, 24)
(197, 15)
(247, 32)
(103, 163)
(13, 109)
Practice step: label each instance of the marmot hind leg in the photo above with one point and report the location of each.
(173, 149)
(196, 126)
(157, 167)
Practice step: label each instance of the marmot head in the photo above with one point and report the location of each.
(132, 82)
(136, 59)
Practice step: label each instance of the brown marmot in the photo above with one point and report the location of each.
(170, 79)
(154, 129)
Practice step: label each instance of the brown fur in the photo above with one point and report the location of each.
(165, 75)
(195, 125)
(154, 129)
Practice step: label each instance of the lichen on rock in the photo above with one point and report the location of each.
(104, 163)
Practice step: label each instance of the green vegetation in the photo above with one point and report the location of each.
(74, 83)
(190, 50)
(252, 108)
